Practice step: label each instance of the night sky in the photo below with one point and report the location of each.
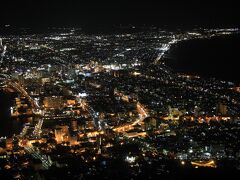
(103, 12)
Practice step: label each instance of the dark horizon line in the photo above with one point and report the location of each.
(119, 25)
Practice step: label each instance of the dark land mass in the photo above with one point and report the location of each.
(8, 125)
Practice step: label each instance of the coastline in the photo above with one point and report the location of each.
(206, 57)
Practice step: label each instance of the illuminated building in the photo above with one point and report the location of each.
(73, 139)
(174, 112)
(89, 124)
(74, 125)
(9, 144)
(61, 134)
(58, 135)
(222, 108)
(125, 98)
(55, 102)
(45, 80)
(150, 123)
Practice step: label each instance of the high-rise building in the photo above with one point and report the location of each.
(74, 125)
(58, 135)
(61, 134)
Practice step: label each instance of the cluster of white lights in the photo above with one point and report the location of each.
(130, 159)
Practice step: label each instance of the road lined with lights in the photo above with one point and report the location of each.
(142, 115)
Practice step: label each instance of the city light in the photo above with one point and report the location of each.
(105, 105)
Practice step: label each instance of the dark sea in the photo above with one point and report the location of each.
(218, 57)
